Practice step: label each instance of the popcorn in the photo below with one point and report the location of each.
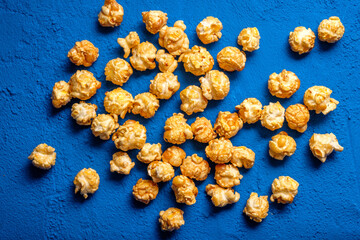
(164, 85)
(281, 145)
(231, 59)
(302, 40)
(227, 175)
(249, 39)
(145, 104)
(227, 124)
(160, 171)
(243, 157)
(272, 116)
(86, 181)
(167, 62)
(83, 112)
(131, 135)
(121, 163)
(43, 156)
(83, 85)
(219, 150)
(154, 20)
(177, 131)
(171, 219)
(284, 190)
(318, 98)
(118, 101)
(297, 117)
(83, 53)
(145, 190)
(111, 14)
(129, 42)
(209, 30)
(215, 85)
(104, 125)
(184, 189)
(322, 145)
(150, 153)
(60, 94)
(118, 71)
(257, 207)
(221, 196)
(203, 130)
(195, 167)
(331, 30)
(174, 39)
(174, 155)
(143, 56)
(250, 110)
(192, 100)
(198, 60)
(284, 84)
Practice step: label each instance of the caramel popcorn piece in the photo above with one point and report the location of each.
(145, 104)
(221, 196)
(145, 190)
(331, 30)
(83, 112)
(281, 145)
(227, 175)
(174, 39)
(129, 42)
(43, 156)
(249, 39)
(83, 53)
(104, 125)
(195, 167)
(209, 30)
(231, 59)
(284, 190)
(203, 130)
(297, 117)
(167, 62)
(198, 60)
(174, 155)
(154, 20)
(164, 85)
(250, 110)
(256, 207)
(318, 98)
(131, 135)
(150, 153)
(284, 84)
(143, 56)
(193, 100)
(171, 219)
(272, 116)
(118, 71)
(118, 101)
(60, 94)
(83, 85)
(86, 181)
(219, 150)
(160, 171)
(121, 163)
(184, 189)
(111, 14)
(177, 131)
(215, 85)
(243, 157)
(227, 124)
(322, 145)
(302, 40)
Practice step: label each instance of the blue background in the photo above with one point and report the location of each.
(34, 204)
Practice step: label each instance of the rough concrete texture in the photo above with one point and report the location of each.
(35, 204)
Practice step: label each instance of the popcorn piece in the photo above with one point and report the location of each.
(331, 30)
(174, 155)
(297, 117)
(281, 145)
(118, 101)
(145, 190)
(160, 171)
(164, 85)
(318, 98)
(250, 110)
(227, 175)
(198, 60)
(219, 150)
(272, 116)
(284, 190)
(118, 71)
(249, 39)
(302, 40)
(171, 219)
(150, 153)
(131, 135)
(177, 131)
(195, 167)
(145, 104)
(83, 112)
(121, 163)
(43, 156)
(209, 30)
(215, 85)
(111, 14)
(174, 39)
(192, 100)
(203, 130)
(60, 94)
(227, 124)
(167, 62)
(257, 207)
(243, 157)
(83, 53)
(86, 181)
(104, 125)
(184, 189)
(221, 196)
(83, 85)
(322, 145)
(129, 42)
(284, 84)
(231, 59)
(143, 56)
(154, 20)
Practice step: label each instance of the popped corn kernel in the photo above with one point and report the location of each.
(167, 62)
(249, 39)
(195, 167)
(164, 85)
(297, 116)
(174, 39)
(215, 85)
(243, 157)
(160, 171)
(111, 14)
(83, 85)
(174, 155)
(154, 20)
(272, 116)
(318, 98)
(131, 135)
(86, 181)
(227, 124)
(83, 53)
(60, 94)
(231, 59)
(302, 40)
(322, 145)
(257, 207)
(177, 131)
(150, 153)
(219, 150)
(193, 100)
(143, 56)
(119, 102)
(118, 71)
(284, 84)
(281, 145)
(284, 189)
(104, 125)
(129, 42)
(145, 104)
(83, 112)
(209, 30)
(184, 189)
(203, 130)
(197, 60)
(250, 110)
(221, 196)
(43, 156)
(331, 30)
(227, 175)
(171, 219)
(121, 163)
(145, 190)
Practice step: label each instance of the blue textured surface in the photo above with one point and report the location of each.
(34, 204)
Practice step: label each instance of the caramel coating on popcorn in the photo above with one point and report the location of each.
(297, 116)
(164, 85)
(145, 190)
(231, 59)
(281, 145)
(154, 20)
(171, 219)
(203, 130)
(184, 189)
(331, 30)
(221, 196)
(111, 14)
(104, 125)
(43, 156)
(219, 150)
(60, 94)
(195, 167)
(143, 56)
(257, 207)
(129, 42)
(209, 30)
(83, 85)
(198, 60)
(167, 62)
(160, 171)
(215, 85)
(145, 104)
(150, 153)
(243, 157)
(119, 102)
(284, 189)
(193, 100)
(121, 163)
(302, 40)
(284, 84)
(83, 112)
(322, 145)
(227, 175)
(118, 71)
(250, 110)
(131, 135)
(86, 181)
(177, 131)
(174, 39)
(272, 116)
(227, 124)
(318, 98)
(249, 39)
(83, 53)
(174, 155)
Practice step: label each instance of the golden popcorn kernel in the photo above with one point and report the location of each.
(257, 207)
(284, 84)
(203, 130)
(131, 135)
(215, 85)
(150, 153)
(174, 39)
(111, 14)
(164, 85)
(227, 124)
(145, 104)
(83, 85)
(143, 56)
(83, 112)
(118, 71)
(177, 131)
(331, 30)
(121, 163)
(145, 190)
(104, 125)
(281, 145)
(154, 20)
(43, 156)
(198, 60)
(272, 116)
(195, 167)
(231, 59)
(219, 150)
(227, 175)
(184, 189)
(83, 53)
(160, 171)
(129, 42)
(171, 219)
(209, 30)
(322, 145)
(86, 181)
(174, 155)
(167, 62)
(284, 189)
(221, 196)
(250, 110)
(192, 100)
(302, 40)
(119, 102)
(243, 157)
(249, 39)
(318, 98)
(60, 94)
(297, 117)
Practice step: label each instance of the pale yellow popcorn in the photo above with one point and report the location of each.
(193, 100)
(250, 110)
(227, 124)
(272, 116)
(209, 30)
(221, 196)
(243, 157)
(184, 189)
(154, 20)
(118, 71)
(318, 98)
(171, 219)
(174, 155)
(284, 84)
(164, 85)
(83, 53)
(219, 150)
(257, 208)
(118, 101)
(121, 163)
(143, 56)
(43, 156)
(131, 135)
(215, 85)
(83, 112)
(129, 42)
(281, 145)
(284, 189)
(145, 104)
(177, 131)
(160, 171)
(145, 190)
(322, 145)
(111, 14)
(203, 130)
(86, 181)
(195, 167)
(167, 62)
(227, 175)
(231, 59)
(249, 39)
(197, 60)
(104, 125)
(331, 30)
(302, 40)
(174, 39)
(297, 116)
(83, 85)
(60, 94)
(150, 153)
